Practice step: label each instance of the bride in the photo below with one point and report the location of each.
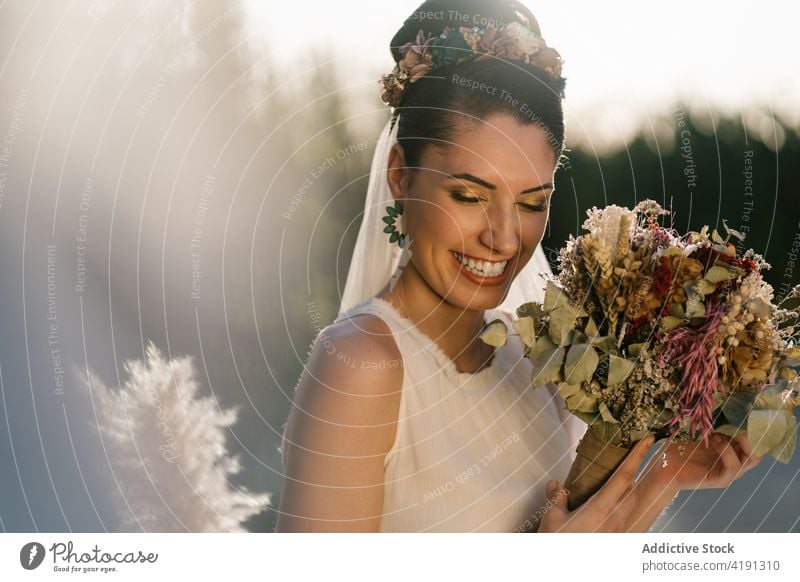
(404, 419)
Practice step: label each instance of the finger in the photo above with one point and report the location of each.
(557, 510)
(747, 457)
(729, 463)
(743, 442)
(623, 477)
(557, 496)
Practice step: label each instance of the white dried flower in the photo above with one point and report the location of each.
(167, 450)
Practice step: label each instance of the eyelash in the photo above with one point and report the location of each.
(461, 198)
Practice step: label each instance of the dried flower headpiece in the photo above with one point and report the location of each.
(513, 42)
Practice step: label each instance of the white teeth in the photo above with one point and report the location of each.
(482, 268)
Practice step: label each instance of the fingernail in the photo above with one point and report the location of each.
(551, 486)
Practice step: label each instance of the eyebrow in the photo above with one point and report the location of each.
(489, 186)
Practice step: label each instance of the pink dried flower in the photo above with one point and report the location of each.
(695, 350)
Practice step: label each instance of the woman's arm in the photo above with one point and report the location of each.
(341, 425)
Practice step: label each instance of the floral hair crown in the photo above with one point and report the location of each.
(513, 42)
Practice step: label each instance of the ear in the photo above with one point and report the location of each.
(397, 174)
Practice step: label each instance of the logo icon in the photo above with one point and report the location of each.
(31, 555)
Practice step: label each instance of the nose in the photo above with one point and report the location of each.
(501, 234)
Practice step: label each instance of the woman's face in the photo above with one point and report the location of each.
(476, 209)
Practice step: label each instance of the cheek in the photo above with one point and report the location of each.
(534, 232)
(438, 223)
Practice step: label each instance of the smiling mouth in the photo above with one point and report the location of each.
(486, 269)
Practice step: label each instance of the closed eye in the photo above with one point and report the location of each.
(459, 196)
(535, 207)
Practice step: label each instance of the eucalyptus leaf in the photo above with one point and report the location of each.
(606, 344)
(547, 366)
(777, 388)
(702, 286)
(591, 328)
(582, 402)
(736, 407)
(566, 390)
(636, 349)
(695, 308)
(719, 273)
(580, 364)
(768, 400)
(607, 431)
(578, 337)
(767, 430)
(605, 413)
(525, 328)
(580, 312)
(495, 333)
(543, 343)
(530, 309)
(676, 310)
(562, 321)
(784, 451)
(668, 322)
(619, 369)
(554, 296)
(588, 417)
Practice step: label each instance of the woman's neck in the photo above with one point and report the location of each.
(454, 329)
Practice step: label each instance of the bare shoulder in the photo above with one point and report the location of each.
(364, 343)
(349, 392)
(342, 424)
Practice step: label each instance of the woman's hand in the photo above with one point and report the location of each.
(625, 504)
(619, 505)
(702, 467)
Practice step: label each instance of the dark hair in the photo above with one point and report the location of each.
(437, 105)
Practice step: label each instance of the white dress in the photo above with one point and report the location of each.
(473, 451)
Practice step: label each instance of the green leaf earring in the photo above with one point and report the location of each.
(393, 212)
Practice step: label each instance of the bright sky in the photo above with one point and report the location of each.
(622, 57)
